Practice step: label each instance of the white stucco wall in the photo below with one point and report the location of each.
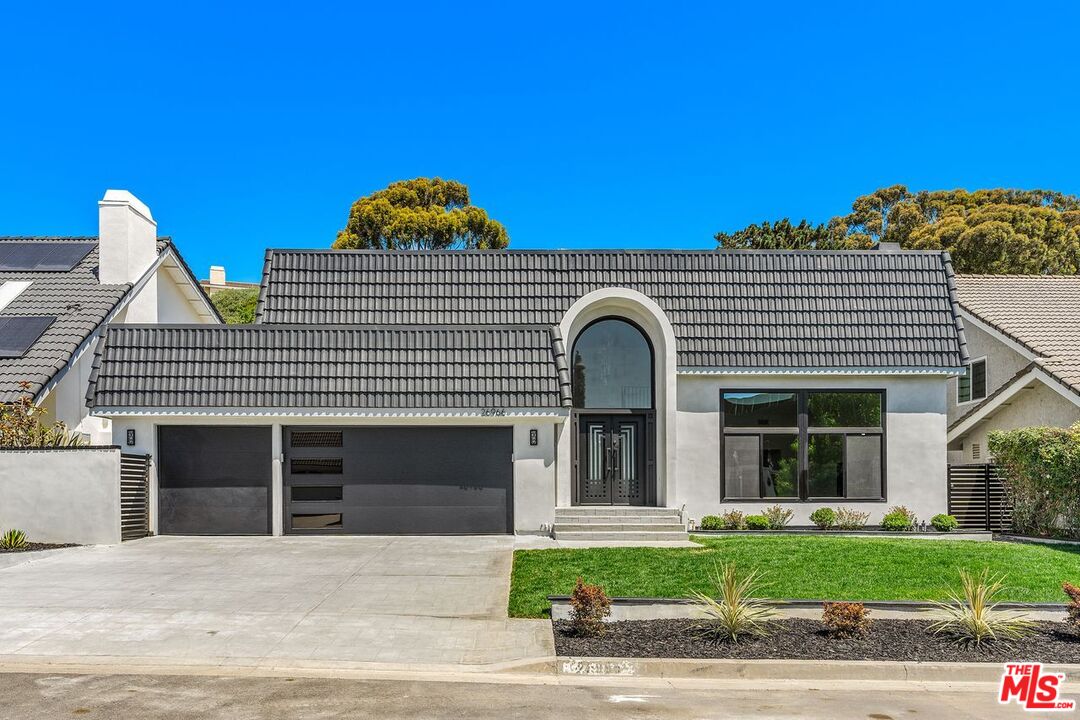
(535, 467)
(914, 431)
(61, 496)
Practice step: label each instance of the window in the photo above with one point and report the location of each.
(316, 493)
(612, 367)
(971, 385)
(310, 521)
(804, 445)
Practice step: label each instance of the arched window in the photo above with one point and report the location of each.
(612, 366)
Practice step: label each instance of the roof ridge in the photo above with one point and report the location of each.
(601, 251)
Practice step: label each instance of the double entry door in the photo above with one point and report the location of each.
(611, 460)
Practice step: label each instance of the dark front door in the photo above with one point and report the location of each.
(611, 460)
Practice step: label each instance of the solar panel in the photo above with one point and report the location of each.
(42, 256)
(18, 333)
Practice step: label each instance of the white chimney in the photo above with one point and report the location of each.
(127, 238)
(217, 275)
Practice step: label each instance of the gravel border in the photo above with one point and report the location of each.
(35, 546)
(801, 639)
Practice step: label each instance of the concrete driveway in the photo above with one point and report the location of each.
(290, 602)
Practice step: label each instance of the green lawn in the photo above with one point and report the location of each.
(826, 568)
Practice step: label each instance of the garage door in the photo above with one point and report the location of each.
(214, 480)
(392, 480)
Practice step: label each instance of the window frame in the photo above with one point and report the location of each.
(652, 365)
(803, 432)
(969, 368)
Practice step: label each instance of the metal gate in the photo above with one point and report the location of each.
(977, 498)
(134, 496)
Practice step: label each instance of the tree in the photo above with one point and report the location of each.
(782, 235)
(993, 231)
(237, 306)
(420, 214)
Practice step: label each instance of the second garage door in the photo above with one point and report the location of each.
(394, 480)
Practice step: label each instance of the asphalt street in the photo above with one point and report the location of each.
(169, 697)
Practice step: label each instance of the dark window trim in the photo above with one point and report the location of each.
(804, 431)
(652, 365)
(969, 373)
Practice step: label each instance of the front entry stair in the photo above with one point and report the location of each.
(619, 522)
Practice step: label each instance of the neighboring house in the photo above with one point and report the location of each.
(217, 282)
(57, 294)
(1023, 335)
(477, 391)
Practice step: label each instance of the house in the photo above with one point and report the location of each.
(218, 282)
(480, 391)
(1023, 334)
(57, 294)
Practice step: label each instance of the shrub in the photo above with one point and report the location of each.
(824, 518)
(734, 612)
(777, 516)
(1039, 467)
(944, 523)
(848, 519)
(898, 519)
(710, 522)
(21, 426)
(13, 540)
(757, 522)
(1074, 604)
(846, 619)
(590, 605)
(733, 520)
(973, 620)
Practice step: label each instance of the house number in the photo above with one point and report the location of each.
(493, 412)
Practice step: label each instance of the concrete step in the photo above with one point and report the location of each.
(609, 519)
(634, 535)
(614, 510)
(618, 527)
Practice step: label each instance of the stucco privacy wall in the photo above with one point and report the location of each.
(914, 456)
(62, 496)
(534, 466)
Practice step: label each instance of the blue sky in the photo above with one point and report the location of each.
(627, 125)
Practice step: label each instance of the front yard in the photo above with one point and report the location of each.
(819, 568)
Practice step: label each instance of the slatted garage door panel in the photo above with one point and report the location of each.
(214, 480)
(394, 480)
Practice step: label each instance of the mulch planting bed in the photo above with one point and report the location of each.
(40, 546)
(802, 639)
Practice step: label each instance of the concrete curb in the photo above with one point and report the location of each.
(795, 670)
(755, 675)
(969, 535)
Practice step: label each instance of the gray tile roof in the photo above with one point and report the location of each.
(263, 366)
(729, 309)
(77, 300)
(1040, 312)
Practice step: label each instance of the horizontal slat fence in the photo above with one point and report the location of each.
(134, 496)
(977, 498)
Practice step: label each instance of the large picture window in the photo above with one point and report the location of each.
(803, 445)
